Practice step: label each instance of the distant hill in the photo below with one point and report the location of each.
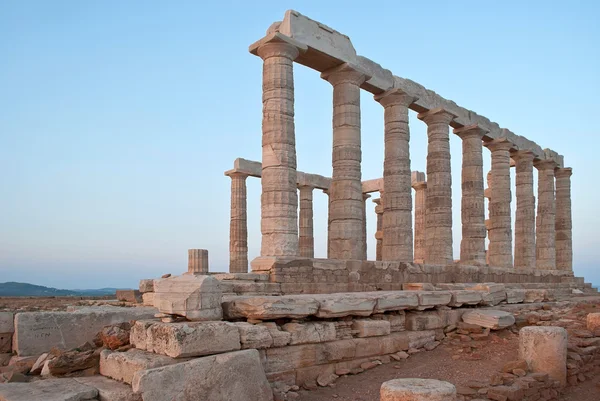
(13, 289)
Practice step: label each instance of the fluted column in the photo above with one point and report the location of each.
(472, 245)
(306, 240)
(364, 233)
(197, 261)
(564, 225)
(420, 252)
(346, 206)
(279, 199)
(238, 225)
(525, 213)
(326, 192)
(500, 224)
(545, 240)
(379, 232)
(397, 204)
(438, 203)
(487, 193)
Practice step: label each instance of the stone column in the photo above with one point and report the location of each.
(238, 226)
(500, 225)
(545, 240)
(438, 204)
(279, 200)
(487, 193)
(379, 233)
(307, 240)
(364, 233)
(346, 205)
(326, 192)
(420, 186)
(525, 213)
(563, 224)
(197, 261)
(472, 245)
(397, 204)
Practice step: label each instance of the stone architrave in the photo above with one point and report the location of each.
(563, 223)
(346, 203)
(397, 204)
(279, 199)
(420, 187)
(364, 233)
(545, 241)
(525, 213)
(500, 225)
(238, 225)
(379, 233)
(307, 240)
(438, 204)
(472, 245)
(197, 261)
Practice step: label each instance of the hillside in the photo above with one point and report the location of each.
(14, 289)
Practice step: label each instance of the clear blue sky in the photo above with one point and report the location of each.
(117, 119)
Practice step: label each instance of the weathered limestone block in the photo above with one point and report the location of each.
(254, 336)
(493, 319)
(122, 366)
(418, 321)
(312, 332)
(417, 339)
(417, 390)
(430, 299)
(545, 350)
(38, 332)
(535, 295)
(146, 285)
(129, 296)
(181, 340)
(395, 301)
(280, 338)
(235, 376)
(451, 316)
(271, 307)
(109, 390)
(194, 296)
(138, 335)
(515, 296)
(492, 293)
(48, 390)
(340, 305)
(418, 287)
(6, 342)
(593, 321)
(7, 324)
(371, 328)
(465, 297)
(397, 321)
(148, 299)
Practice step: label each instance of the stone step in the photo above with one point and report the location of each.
(49, 390)
(110, 390)
(123, 366)
(241, 287)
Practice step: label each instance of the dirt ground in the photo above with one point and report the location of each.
(31, 304)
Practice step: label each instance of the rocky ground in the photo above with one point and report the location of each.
(34, 304)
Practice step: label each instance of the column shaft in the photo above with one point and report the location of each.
(438, 203)
(420, 252)
(563, 224)
(306, 241)
(346, 206)
(500, 224)
(279, 199)
(472, 245)
(364, 233)
(397, 203)
(379, 233)
(525, 213)
(545, 241)
(238, 226)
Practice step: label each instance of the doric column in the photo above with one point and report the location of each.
(238, 226)
(525, 213)
(364, 233)
(564, 225)
(420, 187)
(487, 193)
(397, 204)
(545, 240)
(500, 225)
(472, 245)
(279, 200)
(379, 233)
(326, 192)
(198, 261)
(307, 240)
(346, 206)
(438, 203)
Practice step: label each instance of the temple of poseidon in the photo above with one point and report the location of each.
(287, 321)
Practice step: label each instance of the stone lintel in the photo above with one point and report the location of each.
(375, 185)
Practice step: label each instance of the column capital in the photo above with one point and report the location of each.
(277, 44)
(525, 155)
(234, 173)
(470, 131)
(546, 164)
(345, 73)
(377, 201)
(438, 115)
(304, 186)
(419, 185)
(395, 97)
(499, 144)
(366, 196)
(563, 172)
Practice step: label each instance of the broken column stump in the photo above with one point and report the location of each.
(197, 261)
(545, 350)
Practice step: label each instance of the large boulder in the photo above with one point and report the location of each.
(196, 297)
(235, 376)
